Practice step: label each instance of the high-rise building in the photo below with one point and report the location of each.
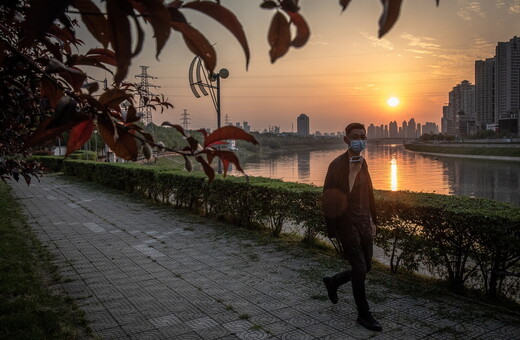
(430, 128)
(247, 127)
(507, 79)
(411, 129)
(485, 92)
(392, 130)
(461, 108)
(371, 131)
(302, 125)
(445, 120)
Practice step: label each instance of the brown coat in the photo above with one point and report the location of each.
(336, 195)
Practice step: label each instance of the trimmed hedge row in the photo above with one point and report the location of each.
(466, 241)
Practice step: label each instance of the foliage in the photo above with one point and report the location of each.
(465, 150)
(467, 241)
(29, 309)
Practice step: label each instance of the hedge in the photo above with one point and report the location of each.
(466, 241)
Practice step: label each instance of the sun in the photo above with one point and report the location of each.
(393, 101)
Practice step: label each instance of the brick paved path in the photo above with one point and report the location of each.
(145, 271)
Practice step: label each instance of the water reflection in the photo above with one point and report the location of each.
(393, 168)
(393, 174)
(304, 165)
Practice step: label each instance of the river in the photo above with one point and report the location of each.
(394, 168)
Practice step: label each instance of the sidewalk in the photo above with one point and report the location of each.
(146, 271)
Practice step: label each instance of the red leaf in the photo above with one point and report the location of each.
(228, 157)
(344, 4)
(140, 37)
(207, 168)
(159, 19)
(114, 97)
(74, 76)
(228, 132)
(120, 35)
(42, 14)
(79, 134)
(103, 56)
(391, 9)
(226, 18)
(96, 23)
(302, 30)
(90, 61)
(44, 132)
(279, 36)
(51, 91)
(197, 43)
(121, 141)
(268, 4)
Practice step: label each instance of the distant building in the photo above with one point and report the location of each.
(485, 92)
(393, 131)
(318, 134)
(302, 125)
(247, 127)
(445, 120)
(462, 100)
(237, 124)
(507, 79)
(430, 128)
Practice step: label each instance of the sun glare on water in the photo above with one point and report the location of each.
(393, 101)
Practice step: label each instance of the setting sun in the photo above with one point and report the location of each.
(393, 101)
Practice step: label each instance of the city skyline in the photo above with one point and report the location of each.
(344, 73)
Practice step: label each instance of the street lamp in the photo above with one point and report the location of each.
(197, 70)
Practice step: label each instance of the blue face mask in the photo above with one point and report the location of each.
(358, 145)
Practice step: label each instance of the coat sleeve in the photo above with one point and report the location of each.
(334, 200)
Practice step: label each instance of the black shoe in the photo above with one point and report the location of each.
(367, 320)
(332, 290)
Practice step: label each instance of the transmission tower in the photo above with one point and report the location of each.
(145, 94)
(185, 117)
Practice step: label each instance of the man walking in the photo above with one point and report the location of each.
(348, 205)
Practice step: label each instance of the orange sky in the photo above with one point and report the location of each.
(344, 73)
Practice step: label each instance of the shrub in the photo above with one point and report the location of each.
(462, 239)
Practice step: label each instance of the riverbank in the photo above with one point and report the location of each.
(467, 151)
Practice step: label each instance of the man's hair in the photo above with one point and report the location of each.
(353, 126)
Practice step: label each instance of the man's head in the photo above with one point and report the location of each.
(355, 137)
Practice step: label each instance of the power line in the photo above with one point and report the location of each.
(185, 118)
(145, 94)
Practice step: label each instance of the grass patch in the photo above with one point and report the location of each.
(29, 307)
(244, 316)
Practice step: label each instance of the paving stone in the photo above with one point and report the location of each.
(133, 286)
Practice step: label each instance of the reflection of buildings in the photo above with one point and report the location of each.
(304, 164)
(480, 178)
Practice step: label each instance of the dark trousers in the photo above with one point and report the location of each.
(356, 241)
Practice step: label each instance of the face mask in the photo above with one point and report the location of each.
(358, 145)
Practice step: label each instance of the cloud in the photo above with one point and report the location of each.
(317, 39)
(514, 7)
(421, 45)
(469, 8)
(376, 42)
